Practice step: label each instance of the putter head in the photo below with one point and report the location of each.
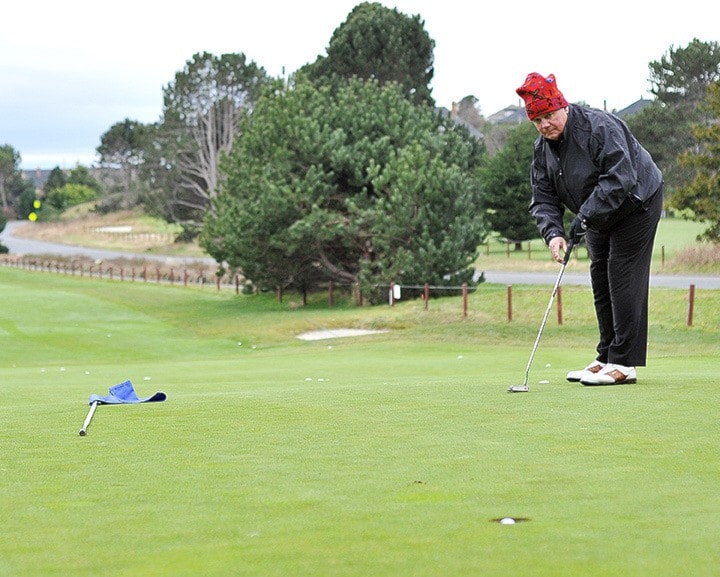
(518, 389)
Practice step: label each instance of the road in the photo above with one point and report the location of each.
(570, 278)
(28, 246)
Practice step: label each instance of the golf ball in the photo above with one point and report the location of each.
(507, 521)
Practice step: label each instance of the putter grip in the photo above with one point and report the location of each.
(570, 246)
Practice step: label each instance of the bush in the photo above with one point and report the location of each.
(190, 231)
(70, 195)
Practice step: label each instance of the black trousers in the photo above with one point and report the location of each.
(620, 274)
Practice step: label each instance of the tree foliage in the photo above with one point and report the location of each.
(15, 190)
(202, 110)
(56, 179)
(679, 81)
(81, 175)
(69, 195)
(702, 194)
(122, 149)
(682, 75)
(3, 223)
(506, 186)
(9, 172)
(356, 185)
(124, 144)
(26, 202)
(382, 44)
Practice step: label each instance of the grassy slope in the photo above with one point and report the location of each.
(381, 455)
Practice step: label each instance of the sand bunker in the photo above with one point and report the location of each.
(336, 333)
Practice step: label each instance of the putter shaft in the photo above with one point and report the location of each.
(524, 388)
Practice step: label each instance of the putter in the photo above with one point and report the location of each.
(89, 417)
(524, 388)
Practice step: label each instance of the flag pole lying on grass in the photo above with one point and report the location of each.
(89, 417)
(122, 394)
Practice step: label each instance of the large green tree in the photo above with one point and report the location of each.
(682, 75)
(202, 110)
(679, 81)
(56, 179)
(3, 223)
(381, 44)
(16, 192)
(702, 194)
(506, 186)
(9, 169)
(356, 185)
(122, 149)
(80, 175)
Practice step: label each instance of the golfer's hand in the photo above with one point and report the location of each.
(558, 246)
(578, 229)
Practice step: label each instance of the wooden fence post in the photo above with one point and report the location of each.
(509, 303)
(691, 305)
(465, 299)
(559, 305)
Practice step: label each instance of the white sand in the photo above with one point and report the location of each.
(336, 333)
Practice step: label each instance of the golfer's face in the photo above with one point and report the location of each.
(552, 124)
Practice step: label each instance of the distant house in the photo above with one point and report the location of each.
(38, 177)
(459, 121)
(634, 108)
(509, 115)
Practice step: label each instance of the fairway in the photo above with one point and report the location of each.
(392, 454)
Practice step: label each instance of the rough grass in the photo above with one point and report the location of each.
(676, 251)
(702, 258)
(390, 454)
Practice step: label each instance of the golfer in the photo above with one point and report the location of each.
(588, 161)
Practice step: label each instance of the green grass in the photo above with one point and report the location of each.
(673, 236)
(388, 454)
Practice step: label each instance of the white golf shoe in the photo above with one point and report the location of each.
(591, 369)
(611, 374)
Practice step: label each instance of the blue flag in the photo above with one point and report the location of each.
(124, 393)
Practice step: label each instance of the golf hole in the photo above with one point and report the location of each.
(509, 520)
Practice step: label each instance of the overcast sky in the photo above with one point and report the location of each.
(71, 69)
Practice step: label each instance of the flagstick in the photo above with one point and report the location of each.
(89, 417)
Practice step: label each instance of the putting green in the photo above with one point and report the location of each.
(384, 454)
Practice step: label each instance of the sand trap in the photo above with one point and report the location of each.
(336, 333)
(122, 228)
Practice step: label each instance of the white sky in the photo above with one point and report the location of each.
(71, 69)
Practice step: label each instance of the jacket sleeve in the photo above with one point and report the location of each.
(545, 205)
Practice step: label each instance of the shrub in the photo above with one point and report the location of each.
(70, 195)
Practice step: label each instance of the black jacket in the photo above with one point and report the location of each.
(592, 170)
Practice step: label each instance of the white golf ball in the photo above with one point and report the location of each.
(507, 521)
